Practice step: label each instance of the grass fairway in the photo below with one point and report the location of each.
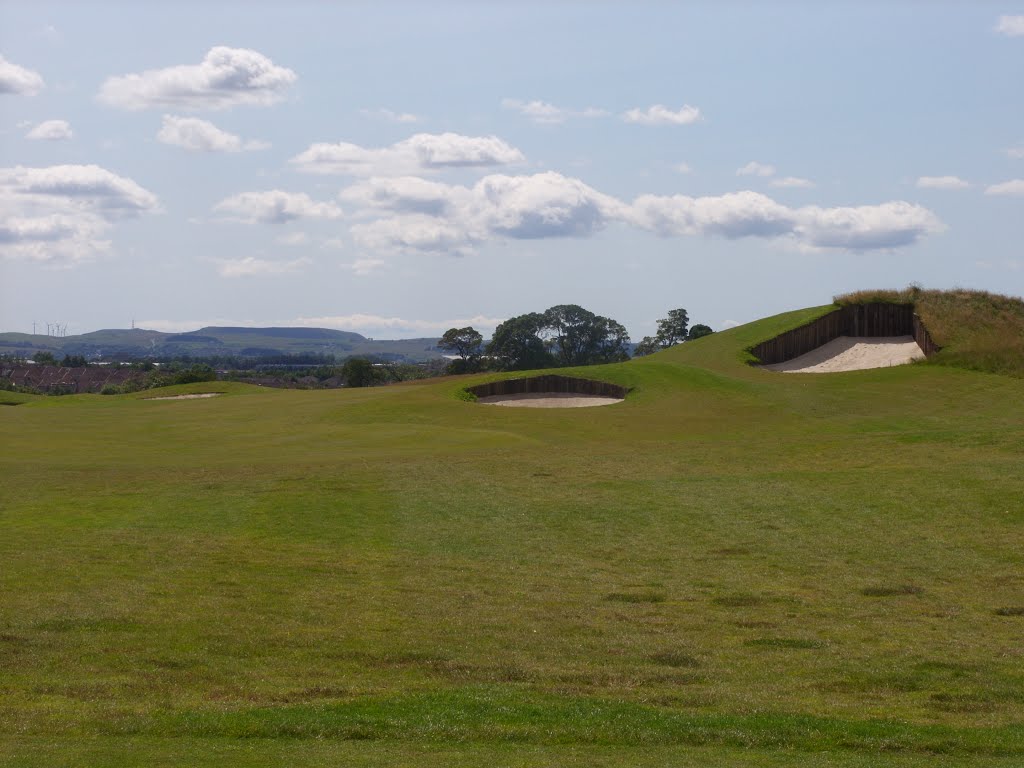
(732, 567)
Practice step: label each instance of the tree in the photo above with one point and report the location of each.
(572, 330)
(648, 346)
(516, 344)
(579, 337)
(698, 331)
(672, 329)
(358, 372)
(611, 342)
(194, 373)
(466, 343)
(565, 335)
(44, 358)
(74, 361)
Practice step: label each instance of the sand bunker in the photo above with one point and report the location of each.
(549, 390)
(853, 353)
(185, 397)
(549, 400)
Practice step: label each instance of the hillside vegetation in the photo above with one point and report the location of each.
(125, 344)
(731, 567)
(977, 330)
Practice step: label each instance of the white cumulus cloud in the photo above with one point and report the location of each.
(662, 115)
(62, 214)
(250, 266)
(1011, 26)
(415, 232)
(226, 77)
(941, 182)
(430, 216)
(197, 135)
(403, 194)
(866, 227)
(1014, 187)
(543, 112)
(51, 130)
(275, 206)
(18, 80)
(542, 205)
(1017, 153)
(751, 214)
(413, 214)
(421, 152)
(734, 215)
(754, 168)
(85, 186)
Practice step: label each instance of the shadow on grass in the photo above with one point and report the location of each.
(1014, 610)
(647, 596)
(886, 590)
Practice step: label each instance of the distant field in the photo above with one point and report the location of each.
(732, 567)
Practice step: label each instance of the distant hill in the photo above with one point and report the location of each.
(114, 343)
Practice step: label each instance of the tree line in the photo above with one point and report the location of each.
(562, 336)
(566, 335)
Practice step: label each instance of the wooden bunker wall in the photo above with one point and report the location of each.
(852, 320)
(549, 383)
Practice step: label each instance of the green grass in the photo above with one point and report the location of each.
(732, 567)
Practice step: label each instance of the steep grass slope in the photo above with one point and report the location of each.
(731, 567)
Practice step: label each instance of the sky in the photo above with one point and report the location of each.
(398, 169)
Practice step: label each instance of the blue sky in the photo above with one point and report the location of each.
(396, 168)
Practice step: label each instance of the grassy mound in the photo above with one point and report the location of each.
(729, 568)
(977, 330)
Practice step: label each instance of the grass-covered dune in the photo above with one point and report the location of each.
(977, 330)
(732, 567)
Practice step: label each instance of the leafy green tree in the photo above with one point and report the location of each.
(648, 346)
(358, 372)
(467, 343)
(564, 335)
(672, 329)
(74, 361)
(579, 337)
(611, 342)
(44, 358)
(194, 373)
(517, 345)
(573, 333)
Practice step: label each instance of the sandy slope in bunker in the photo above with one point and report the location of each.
(549, 400)
(854, 353)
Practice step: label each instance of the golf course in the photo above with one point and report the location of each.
(731, 566)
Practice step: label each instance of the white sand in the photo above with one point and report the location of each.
(185, 397)
(853, 353)
(549, 400)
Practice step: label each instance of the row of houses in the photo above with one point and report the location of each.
(53, 379)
